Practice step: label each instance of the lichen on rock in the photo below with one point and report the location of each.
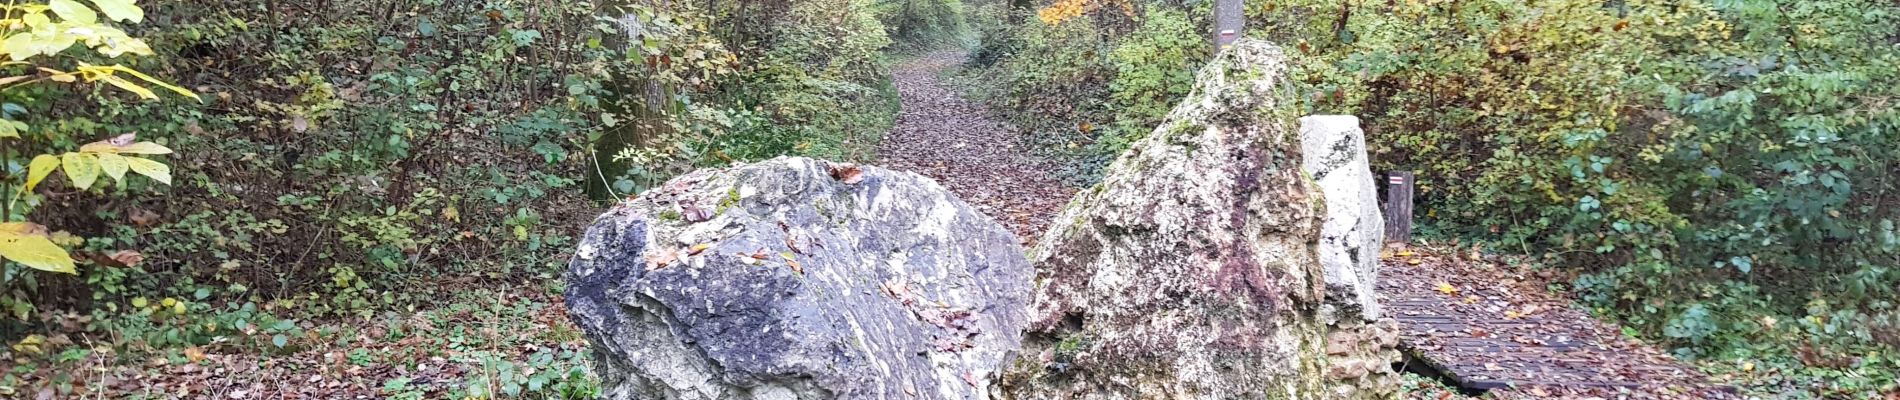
(1191, 271)
(795, 278)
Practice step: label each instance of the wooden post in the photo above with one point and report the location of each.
(1398, 207)
(1229, 19)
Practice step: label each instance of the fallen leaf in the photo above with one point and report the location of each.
(1446, 288)
(848, 173)
(661, 258)
(127, 258)
(698, 248)
(795, 267)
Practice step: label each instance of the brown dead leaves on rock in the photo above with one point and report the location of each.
(950, 139)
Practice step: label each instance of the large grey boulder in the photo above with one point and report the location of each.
(1190, 271)
(1350, 239)
(798, 279)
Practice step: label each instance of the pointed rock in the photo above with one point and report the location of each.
(1190, 271)
(1354, 231)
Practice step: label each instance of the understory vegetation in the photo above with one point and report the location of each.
(311, 180)
(1718, 176)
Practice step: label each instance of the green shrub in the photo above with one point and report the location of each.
(1153, 69)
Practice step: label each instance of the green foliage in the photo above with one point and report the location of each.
(923, 24)
(805, 78)
(1153, 68)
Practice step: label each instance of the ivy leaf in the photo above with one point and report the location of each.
(72, 11)
(114, 165)
(42, 166)
(27, 243)
(121, 10)
(151, 169)
(81, 168)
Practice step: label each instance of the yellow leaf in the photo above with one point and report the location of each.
(61, 77)
(114, 165)
(121, 10)
(11, 128)
(26, 243)
(81, 168)
(1446, 288)
(145, 148)
(106, 146)
(37, 171)
(105, 72)
(151, 169)
(1748, 366)
(30, 345)
(72, 11)
(129, 86)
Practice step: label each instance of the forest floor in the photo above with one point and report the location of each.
(941, 135)
(473, 340)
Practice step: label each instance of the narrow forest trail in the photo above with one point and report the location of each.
(954, 140)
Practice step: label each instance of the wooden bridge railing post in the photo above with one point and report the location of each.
(1398, 207)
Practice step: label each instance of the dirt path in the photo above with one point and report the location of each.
(953, 140)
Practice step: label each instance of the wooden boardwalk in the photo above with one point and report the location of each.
(1485, 327)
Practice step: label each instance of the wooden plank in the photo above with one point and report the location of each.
(1398, 207)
